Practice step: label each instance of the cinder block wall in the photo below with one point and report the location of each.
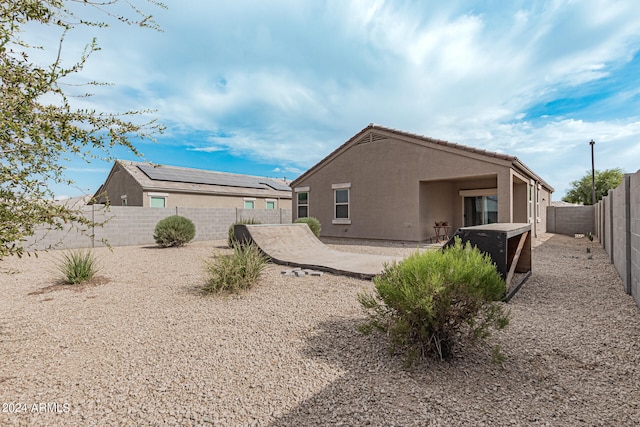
(619, 200)
(606, 224)
(127, 227)
(619, 231)
(634, 234)
(132, 225)
(570, 220)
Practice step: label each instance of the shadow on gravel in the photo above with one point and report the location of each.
(60, 285)
(376, 389)
(571, 354)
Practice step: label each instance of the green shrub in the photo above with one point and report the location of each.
(431, 300)
(78, 266)
(174, 230)
(236, 272)
(313, 223)
(231, 241)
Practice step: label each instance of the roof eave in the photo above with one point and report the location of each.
(524, 168)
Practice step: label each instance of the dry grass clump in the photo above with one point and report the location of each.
(78, 266)
(235, 272)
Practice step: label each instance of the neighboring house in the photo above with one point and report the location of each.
(388, 184)
(143, 184)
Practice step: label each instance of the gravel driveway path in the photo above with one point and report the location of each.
(142, 346)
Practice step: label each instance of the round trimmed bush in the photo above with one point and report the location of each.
(433, 300)
(174, 230)
(313, 223)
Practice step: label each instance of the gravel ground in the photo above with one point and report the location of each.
(142, 346)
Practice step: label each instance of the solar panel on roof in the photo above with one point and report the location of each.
(194, 176)
(276, 185)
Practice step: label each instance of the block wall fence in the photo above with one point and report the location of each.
(130, 225)
(615, 220)
(570, 220)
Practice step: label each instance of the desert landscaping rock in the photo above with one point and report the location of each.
(143, 346)
(298, 272)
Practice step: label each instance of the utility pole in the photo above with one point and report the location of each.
(593, 175)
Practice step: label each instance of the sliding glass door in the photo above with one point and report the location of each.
(479, 210)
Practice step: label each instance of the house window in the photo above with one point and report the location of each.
(249, 203)
(341, 203)
(123, 200)
(271, 204)
(302, 201)
(158, 200)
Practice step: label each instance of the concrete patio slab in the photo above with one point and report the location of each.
(296, 245)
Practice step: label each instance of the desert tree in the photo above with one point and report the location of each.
(581, 191)
(42, 126)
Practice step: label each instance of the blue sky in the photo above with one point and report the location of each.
(270, 88)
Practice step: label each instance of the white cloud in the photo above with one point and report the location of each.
(208, 149)
(288, 169)
(288, 81)
(559, 151)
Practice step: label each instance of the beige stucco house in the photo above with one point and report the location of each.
(388, 184)
(142, 184)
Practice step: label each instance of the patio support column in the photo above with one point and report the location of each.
(505, 197)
